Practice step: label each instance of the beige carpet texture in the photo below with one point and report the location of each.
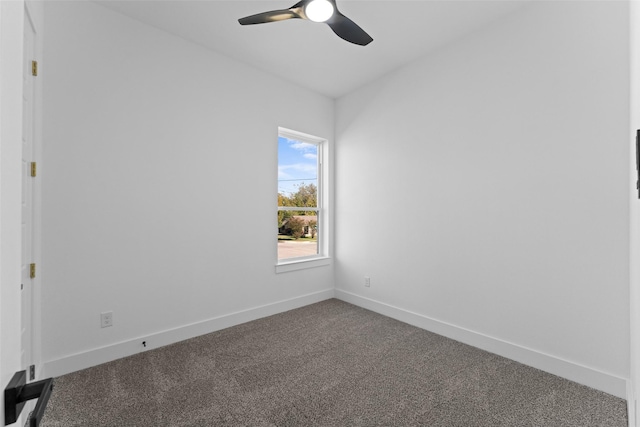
(327, 364)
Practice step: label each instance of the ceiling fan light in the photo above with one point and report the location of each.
(319, 10)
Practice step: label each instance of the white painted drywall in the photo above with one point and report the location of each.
(11, 23)
(487, 185)
(159, 168)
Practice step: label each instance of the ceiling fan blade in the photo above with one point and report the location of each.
(348, 30)
(272, 16)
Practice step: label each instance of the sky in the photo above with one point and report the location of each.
(297, 164)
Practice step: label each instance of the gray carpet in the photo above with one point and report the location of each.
(327, 364)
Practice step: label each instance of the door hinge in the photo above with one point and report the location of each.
(34, 169)
(32, 372)
(32, 271)
(34, 68)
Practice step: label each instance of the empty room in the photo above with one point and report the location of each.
(455, 240)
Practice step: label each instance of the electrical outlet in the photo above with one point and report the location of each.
(367, 281)
(106, 319)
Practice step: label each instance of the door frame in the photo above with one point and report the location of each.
(633, 387)
(34, 10)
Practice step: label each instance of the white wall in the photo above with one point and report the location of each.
(159, 204)
(484, 189)
(11, 23)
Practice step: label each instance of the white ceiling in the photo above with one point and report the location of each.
(310, 54)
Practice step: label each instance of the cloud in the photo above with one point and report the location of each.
(296, 170)
(301, 146)
(282, 174)
(298, 164)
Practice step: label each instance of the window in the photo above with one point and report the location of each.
(301, 190)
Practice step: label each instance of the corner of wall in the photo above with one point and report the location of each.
(87, 359)
(548, 363)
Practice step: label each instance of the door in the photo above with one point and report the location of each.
(28, 133)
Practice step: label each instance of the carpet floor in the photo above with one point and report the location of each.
(327, 364)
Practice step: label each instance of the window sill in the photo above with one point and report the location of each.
(302, 264)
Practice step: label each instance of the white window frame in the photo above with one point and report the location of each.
(322, 257)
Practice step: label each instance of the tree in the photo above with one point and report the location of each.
(295, 226)
(306, 196)
(283, 215)
(284, 200)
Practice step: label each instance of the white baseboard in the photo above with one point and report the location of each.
(97, 356)
(554, 365)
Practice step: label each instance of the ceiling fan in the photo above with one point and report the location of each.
(318, 11)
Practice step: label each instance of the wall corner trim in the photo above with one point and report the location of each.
(631, 405)
(563, 368)
(97, 356)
